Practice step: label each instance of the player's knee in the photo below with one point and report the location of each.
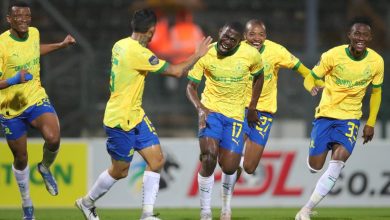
(314, 167)
(119, 174)
(208, 158)
(229, 170)
(249, 169)
(157, 165)
(20, 157)
(53, 141)
(20, 162)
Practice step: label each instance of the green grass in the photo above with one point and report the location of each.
(192, 214)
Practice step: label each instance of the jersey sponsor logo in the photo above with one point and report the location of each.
(350, 83)
(227, 79)
(153, 60)
(28, 66)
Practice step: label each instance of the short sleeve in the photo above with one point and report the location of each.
(196, 73)
(256, 67)
(379, 74)
(148, 61)
(323, 67)
(287, 60)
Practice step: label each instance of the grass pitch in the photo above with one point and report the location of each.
(192, 214)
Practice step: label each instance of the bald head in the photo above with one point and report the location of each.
(254, 22)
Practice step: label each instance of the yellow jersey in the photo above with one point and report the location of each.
(15, 55)
(227, 78)
(274, 56)
(346, 80)
(131, 63)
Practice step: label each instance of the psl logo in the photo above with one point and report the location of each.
(261, 181)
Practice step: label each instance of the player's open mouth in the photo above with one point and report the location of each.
(360, 45)
(23, 26)
(224, 47)
(256, 44)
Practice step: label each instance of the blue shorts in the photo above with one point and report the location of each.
(328, 131)
(16, 127)
(122, 144)
(259, 134)
(228, 131)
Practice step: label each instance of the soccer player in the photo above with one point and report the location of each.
(348, 71)
(27, 103)
(274, 57)
(227, 68)
(125, 122)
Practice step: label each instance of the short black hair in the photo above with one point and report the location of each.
(17, 3)
(235, 25)
(360, 20)
(142, 20)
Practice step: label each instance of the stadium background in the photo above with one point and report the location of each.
(77, 82)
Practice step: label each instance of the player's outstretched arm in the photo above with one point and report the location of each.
(303, 70)
(257, 86)
(20, 77)
(47, 48)
(311, 86)
(375, 102)
(181, 69)
(192, 95)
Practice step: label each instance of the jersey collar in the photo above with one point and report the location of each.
(18, 39)
(354, 58)
(262, 48)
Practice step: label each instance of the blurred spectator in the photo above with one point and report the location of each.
(161, 44)
(173, 41)
(178, 37)
(184, 36)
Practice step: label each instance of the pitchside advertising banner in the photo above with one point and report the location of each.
(282, 178)
(70, 171)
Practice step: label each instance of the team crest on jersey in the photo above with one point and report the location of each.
(153, 60)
